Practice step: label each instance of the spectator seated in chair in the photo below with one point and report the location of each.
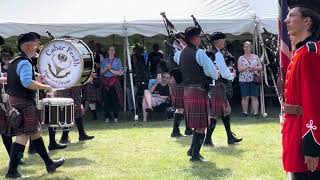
(156, 95)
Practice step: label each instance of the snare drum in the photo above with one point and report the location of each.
(66, 63)
(57, 112)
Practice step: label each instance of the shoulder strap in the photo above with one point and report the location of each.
(20, 56)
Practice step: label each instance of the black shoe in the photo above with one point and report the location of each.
(14, 175)
(189, 154)
(188, 132)
(257, 116)
(244, 115)
(198, 159)
(176, 134)
(55, 164)
(64, 141)
(208, 143)
(85, 137)
(234, 139)
(56, 146)
(21, 162)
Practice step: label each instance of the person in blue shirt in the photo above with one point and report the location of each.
(195, 67)
(111, 69)
(220, 106)
(21, 86)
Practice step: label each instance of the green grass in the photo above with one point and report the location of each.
(146, 151)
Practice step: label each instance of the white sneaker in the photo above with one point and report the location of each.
(107, 120)
(115, 120)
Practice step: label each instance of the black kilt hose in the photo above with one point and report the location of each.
(30, 115)
(219, 105)
(196, 107)
(177, 93)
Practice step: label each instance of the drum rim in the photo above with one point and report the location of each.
(78, 82)
(68, 101)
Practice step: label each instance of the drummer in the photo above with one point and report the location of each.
(22, 84)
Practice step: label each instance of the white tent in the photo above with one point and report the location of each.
(79, 18)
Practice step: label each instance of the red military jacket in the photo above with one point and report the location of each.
(301, 134)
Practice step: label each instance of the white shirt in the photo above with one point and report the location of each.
(222, 67)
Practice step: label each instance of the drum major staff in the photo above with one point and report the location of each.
(195, 65)
(22, 84)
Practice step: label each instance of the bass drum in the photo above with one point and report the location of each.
(66, 63)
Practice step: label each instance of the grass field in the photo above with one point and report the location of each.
(146, 151)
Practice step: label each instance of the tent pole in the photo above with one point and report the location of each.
(265, 66)
(257, 35)
(125, 78)
(130, 71)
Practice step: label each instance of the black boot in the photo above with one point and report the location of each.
(232, 139)
(31, 150)
(7, 141)
(65, 136)
(196, 146)
(188, 131)
(53, 145)
(15, 154)
(94, 114)
(82, 134)
(176, 130)
(208, 138)
(41, 150)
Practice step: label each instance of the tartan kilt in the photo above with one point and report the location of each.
(196, 107)
(31, 117)
(217, 99)
(177, 93)
(92, 93)
(3, 121)
(75, 94)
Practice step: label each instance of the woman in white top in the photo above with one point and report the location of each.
(248, 65)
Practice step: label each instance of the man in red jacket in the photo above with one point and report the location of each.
(301, 127)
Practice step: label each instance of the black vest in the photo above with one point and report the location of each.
(192, 72)
(14, 85)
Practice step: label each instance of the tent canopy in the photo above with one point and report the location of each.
(79, 18)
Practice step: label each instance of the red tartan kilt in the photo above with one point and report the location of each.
(196, 107)
(91, 93)
(177, 93)
(217, 96)
(31, 117)
(3, 122)
(70, 93)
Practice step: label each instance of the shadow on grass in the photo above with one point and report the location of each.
(74, 146)
(74, 162)
(184, 141)
(48, 176)
(232, 150)
(98, 125)
(208, 170)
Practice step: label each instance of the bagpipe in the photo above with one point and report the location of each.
(205, 39)
(172, 44)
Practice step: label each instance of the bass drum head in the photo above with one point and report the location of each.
(61, 62)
